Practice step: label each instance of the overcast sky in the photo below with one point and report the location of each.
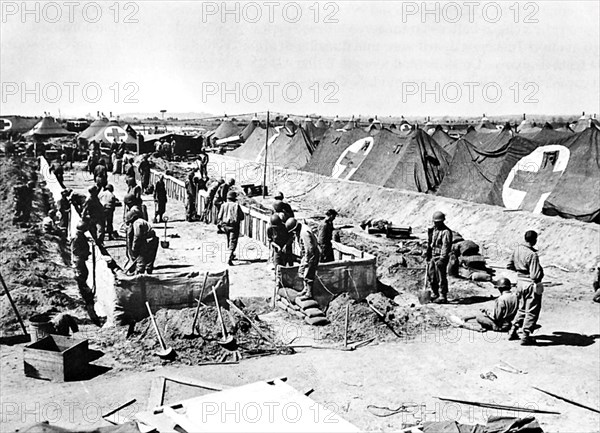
(383, 58)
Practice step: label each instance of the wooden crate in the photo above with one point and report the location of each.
(56, 358)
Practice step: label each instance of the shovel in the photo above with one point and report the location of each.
(227, 340)
(192, 333)
(424, 295)
(166, 352)
(165, 244)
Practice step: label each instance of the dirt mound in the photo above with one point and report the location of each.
(364, 323)
(136, 346)
(33, 263)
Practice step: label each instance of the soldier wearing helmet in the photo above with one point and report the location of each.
(229, 220)
(278, 238)
(80, 252)
(309, 255)
(438, 254)
(326, 236)
(93, 214)
(283, 208)
(141, 241)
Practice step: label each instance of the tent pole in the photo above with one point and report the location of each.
(264, 188)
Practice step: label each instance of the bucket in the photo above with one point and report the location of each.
(40, 326)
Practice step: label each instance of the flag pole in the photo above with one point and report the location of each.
(264, 188)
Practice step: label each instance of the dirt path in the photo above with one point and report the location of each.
(444, 362)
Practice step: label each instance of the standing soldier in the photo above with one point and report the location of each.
(278, 238)
(219, 199)
(192, 191)
(438, 254)
(64, 207)
(282, 208)
(229, 220)
(80, 251)
(326, 236)
(203, 161)
(141, 241)
(309, 252)
(160, 198)
(109, 203)
(530, 274)
(144, 170)
(92, 214)
(101, 174)
(212, 192)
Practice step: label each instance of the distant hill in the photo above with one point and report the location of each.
(180, 116)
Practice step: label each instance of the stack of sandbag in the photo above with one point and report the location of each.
(306, 309)
(467, 262)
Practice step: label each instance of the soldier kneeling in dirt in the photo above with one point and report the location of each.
(80, 250)
(142, 242)
(500, 317)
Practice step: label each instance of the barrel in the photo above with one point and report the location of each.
(40, 326)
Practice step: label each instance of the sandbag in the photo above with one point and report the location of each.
(481, 276)
(468, 248)
(306, 303)
(472, 260)
(316, 321)
(313, 312)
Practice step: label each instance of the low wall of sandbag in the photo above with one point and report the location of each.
(568, 243)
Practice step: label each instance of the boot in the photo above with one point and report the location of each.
(513, 334)
(441, 300)
(527, 340)
(434, 297)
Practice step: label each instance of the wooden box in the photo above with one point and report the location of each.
(56, 358)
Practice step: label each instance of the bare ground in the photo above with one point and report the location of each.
(444, 362)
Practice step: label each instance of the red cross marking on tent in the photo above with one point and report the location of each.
(5, 125)
(115, 134)
(535, 184)
(352, 160)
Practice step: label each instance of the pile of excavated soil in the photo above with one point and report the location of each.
(136, 346)
(32, 262)
(405, 321)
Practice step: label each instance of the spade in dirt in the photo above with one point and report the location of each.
(228, 342)
(192, 333)
(165, 352)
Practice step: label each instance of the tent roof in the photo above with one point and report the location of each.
(95, 127)
(443, 139)
(226, 129)
(249, 129)
(17, 124)
(48, 127)
(253, 147)
(331, 147)
(109, 131)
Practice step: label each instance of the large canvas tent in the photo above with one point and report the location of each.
(576, 194)
(96, 126)
(13, 126)
(109, 132)
(413, 162)
(546, 135)
(284, 149)
(443, 139)
(226, 129)
(47, 128)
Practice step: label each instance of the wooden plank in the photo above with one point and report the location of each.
(157, 392)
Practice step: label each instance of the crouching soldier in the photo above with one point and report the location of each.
(229, 220)
(80, 251)
(499, 318)
(142, 242)
(310, 254)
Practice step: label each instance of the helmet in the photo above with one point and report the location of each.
(275, 219)
(221, 181)
(82, 226)
(439, 216)
(503, 283)
(132, 215)
(278, 196)
(93, 190)
(231, 195)
(331, 212)
(291, 224)
(129, 199)
(231, 182)
(278, 207)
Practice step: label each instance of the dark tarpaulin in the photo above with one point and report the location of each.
(577, 193)
(254, 146)
(489, 141)
(290, 151)
(547, 135)
(444, 140)
(478, 175)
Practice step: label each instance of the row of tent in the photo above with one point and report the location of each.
(542, 170)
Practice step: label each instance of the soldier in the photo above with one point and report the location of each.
(93, 214)
(438, 254)
(160, 198)
(144, 169)
(191, 185)
(284, 209)
(326, 236)
(218, 200)
(309, 252)
(212, 192)
(80, 250)
(530, 274)
(278, 238)
(229, 220)
(109, 203)
(142, 242)
(64, 207)
(499, 318)
(101, 174)
(203, 161)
